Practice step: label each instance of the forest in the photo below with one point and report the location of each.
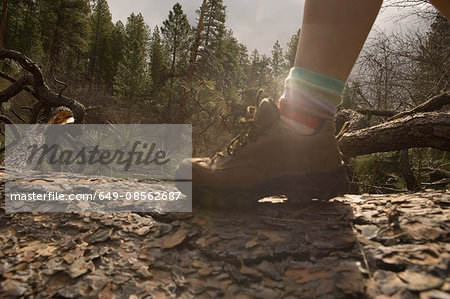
(67, 58)
(201, 74)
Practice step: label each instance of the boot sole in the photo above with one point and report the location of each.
(296, 187)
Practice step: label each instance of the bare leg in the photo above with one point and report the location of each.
(333, 34)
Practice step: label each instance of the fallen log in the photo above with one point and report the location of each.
(431, 129)
(40, 89)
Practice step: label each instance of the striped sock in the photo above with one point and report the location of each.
(310, 97)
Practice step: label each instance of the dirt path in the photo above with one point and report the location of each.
(356, 246)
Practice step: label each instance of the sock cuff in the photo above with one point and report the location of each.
(303, 110)
(332, 84)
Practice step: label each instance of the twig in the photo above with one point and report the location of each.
(440, 182)
(18, 116)
(299, 212)
(26, 108)
(296, 220)
(36, 110)
(361, 249)
(94, 107)
(62, 83)
(387, 113)
(5, 119)
(377, 187)
(433, 104)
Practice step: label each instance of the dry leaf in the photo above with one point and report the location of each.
(174, 239)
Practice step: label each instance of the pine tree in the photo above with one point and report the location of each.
(65, 28)
(197, 39)
(433, 70)
(259, 70)
(100, 62)
(277, 65)
(157, 61)
(176, 33)
(22, 29)
(227, 61)
(292, 49)
(243, 71)
(253, 67)
(214, 23)
(117, 49)
(212, 37)
(132, 79)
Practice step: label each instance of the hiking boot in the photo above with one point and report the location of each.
(271, 157)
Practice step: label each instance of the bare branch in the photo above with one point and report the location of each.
(5, 119)
(36, 111)
(387, 113)
(433, 104)
(18, 116)
(12, 80)
(64, 84)
(15, 88)
(41, 90)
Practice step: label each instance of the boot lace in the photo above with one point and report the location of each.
(250, 130)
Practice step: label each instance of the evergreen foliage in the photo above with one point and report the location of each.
(132, 81)
(176, 33)
(64, 27)
(101, 67)
(278, 66)
(292, 49)
(158, 65)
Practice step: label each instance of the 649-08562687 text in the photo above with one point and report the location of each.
(102, 196)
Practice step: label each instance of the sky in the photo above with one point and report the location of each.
(255, 23)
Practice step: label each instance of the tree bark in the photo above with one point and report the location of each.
(194, 52)
(407, 173)
(12, 80)
(429, 129)
(15, 88)
(356, 120)
(3, 21)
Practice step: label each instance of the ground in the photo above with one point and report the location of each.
(354, 246)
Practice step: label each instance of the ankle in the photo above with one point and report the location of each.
(309, 97)
(289, 111)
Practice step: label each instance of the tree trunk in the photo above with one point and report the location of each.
(3, 21)
(56, 41)
(405, 168)
(94, 53)
(194, 52)
(429, 129)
